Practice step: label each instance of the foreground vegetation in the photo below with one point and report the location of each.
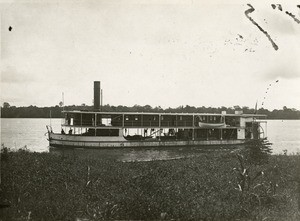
(212, 186)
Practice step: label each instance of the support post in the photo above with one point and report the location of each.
(80, 123)
(221, 136)
(159, 125)
(193, 130)
(95, 123)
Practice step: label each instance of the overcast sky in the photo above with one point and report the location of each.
(161, 53)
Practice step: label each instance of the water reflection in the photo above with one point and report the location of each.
(136, 154)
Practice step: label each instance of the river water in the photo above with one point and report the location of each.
(20, 132)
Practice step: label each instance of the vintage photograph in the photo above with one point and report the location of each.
(150, 110)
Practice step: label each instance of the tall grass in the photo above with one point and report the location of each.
(44, 186)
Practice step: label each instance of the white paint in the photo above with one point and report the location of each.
(240, 134)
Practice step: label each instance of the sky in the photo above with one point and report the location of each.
(161, 53)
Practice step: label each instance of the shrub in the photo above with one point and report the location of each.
(257, 151)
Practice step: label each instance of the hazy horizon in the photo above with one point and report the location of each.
(228, 107)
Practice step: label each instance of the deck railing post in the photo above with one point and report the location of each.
(142, 124)
(95, 123)
(221, 136)
(193, 124)
(159, 125)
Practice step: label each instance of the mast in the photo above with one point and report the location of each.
(63, 101)
(101, 99)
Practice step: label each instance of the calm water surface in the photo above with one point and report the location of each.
(17, 133)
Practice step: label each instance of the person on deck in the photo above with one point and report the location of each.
(62, 131)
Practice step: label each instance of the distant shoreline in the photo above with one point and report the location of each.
(8, 111)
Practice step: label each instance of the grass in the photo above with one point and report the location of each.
(43, 186)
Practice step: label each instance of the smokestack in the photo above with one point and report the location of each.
(97, 95)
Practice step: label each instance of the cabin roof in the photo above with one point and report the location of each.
(163, 113)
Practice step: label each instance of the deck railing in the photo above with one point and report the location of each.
(132, 123)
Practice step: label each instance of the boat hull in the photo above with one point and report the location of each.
(212, 125)
(75, 141)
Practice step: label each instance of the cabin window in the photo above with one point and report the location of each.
(106, 121)
(215, 118)
(162, 117)
(211, 118)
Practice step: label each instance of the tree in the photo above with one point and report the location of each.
(6, 105)
(237, 107)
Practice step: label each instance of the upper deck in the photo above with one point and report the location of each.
(99, 119)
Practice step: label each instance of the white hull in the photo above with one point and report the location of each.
(63, 140)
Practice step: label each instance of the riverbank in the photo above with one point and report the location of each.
(56, 112)
(47, 186)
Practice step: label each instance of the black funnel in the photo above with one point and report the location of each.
(97, 95)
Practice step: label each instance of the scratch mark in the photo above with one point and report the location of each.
(287, 12)
(292, 16)
(278, 5)
(250, 10)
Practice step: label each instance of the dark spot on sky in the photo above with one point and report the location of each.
(250, 10)
(9, 28)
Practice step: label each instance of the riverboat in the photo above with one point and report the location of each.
(97, 129)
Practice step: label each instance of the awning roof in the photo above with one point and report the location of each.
(163, 113)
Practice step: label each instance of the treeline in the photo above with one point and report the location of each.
(8, 111)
